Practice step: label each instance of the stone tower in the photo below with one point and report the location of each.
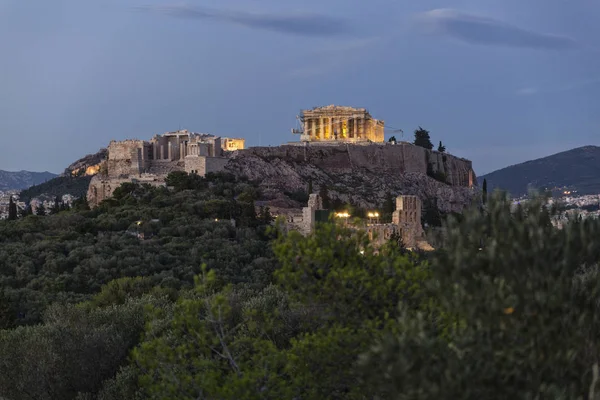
(408, 219)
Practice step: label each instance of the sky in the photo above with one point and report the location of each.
(498, 82)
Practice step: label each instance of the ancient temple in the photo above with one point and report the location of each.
(341, 124)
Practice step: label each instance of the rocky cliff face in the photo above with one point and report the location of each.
(361, 174)
(88, 165)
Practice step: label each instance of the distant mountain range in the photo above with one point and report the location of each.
(577, 169)
(22, 179)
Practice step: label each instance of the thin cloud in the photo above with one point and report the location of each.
(529, 91)
(481, 30)
(295, 24)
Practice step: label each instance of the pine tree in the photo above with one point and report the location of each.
(484, 190)
(310, 186)
(388, 205)
(12, 210)
(392, 139)
(267, 218)
(422, 138)
(441, 148)
(40, 210)
(56, 207)
(324, 193)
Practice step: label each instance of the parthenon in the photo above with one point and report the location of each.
(341, 124)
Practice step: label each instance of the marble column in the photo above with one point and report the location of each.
(330, 129)
(362, 128)
(321, 128)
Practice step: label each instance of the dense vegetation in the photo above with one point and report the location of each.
(74, 185)
(156, 294)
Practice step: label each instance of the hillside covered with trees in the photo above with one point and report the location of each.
(190, 293)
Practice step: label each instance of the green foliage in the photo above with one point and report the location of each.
(59, 186)
(299, 340)
(422, 138)
(12, 210)
(392, 139)
(388, 207)
(183, 181)
(70, 255)
(56, 207)
(523, 296)
(484, 191)
(324, 193)
(441, 147)
(40, 210)
(73, 351)
(157, 294)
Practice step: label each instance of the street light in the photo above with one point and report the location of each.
(373, 215)
(344, 215)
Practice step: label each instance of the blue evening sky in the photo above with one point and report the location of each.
(499, 82)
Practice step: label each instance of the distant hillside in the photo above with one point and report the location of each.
(22, 179)
(74, 180)
(577, 169)
(59, 186)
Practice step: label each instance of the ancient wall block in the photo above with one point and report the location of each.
(216, 164)
(195, 165)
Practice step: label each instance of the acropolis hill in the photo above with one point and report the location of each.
(341, 148)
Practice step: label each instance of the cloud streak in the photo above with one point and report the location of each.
(295, 24)
(530, 91)
(481, 30)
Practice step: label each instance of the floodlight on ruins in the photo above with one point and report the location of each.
(342, 215)
(373, 215)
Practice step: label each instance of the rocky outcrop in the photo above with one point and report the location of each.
(360, 174)
(88, 165)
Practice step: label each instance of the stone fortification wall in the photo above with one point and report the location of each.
(126, 158)
(361, 174)
(382, 158)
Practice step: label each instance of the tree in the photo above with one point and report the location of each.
(388, 206)
(299, 339)
(81, 204)
(40, 210)
(441, 147)
(422, 138)
(310, 186)
(264, 215)
(12, 210)
(484, 190)
(522, 316)
(324, 193)
(56, 206)
(25, 211)
(392, 139)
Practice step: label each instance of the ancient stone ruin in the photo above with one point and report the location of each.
(151, 161)
(340, 124)
(406, 222)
